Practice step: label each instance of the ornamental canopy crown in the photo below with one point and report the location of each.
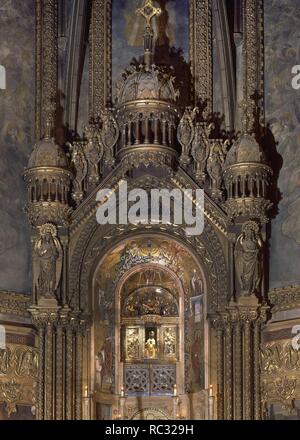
(147, 81)
(247, 178)
(48, 181)
(146, 109)
(46, 153)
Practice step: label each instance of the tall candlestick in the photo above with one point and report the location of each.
(175, 391)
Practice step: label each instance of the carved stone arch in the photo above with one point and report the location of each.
(95, 241)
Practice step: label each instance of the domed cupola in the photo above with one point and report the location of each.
(247, 177)
(48, 181)
(146, 108)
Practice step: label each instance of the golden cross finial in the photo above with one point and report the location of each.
(148, 11)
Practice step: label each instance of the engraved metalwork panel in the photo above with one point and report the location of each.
(137, 379)
(163, 379)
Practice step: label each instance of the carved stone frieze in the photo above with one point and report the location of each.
(285, 298)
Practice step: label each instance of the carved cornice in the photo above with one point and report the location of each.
(12, 303)
(285, 298)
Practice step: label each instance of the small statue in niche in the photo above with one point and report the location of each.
(47, 261)
(150, 346)
(248, 259)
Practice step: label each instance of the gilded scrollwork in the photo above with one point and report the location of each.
(18, 361)
(169, 337)
(279, 356)
(11, 393)
(133, 343)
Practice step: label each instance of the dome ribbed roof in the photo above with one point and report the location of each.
(140, 83)
(47, 153)
(244, 150)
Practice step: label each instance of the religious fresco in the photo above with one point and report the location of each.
(171, 30)
(149, 292)
(16, 139)
(282, 48)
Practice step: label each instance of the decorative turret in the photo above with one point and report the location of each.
(146, 111)
(48, 182)
(247, 177)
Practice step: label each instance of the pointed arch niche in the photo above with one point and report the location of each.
(150, 329)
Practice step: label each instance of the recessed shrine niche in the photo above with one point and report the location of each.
(150, 331)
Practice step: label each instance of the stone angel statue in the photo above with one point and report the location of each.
(201, 149)
(81, 168)
(93, 151)
(248, 259)
(215, 166)
(109, 136)
(185, 133)
(48, 257)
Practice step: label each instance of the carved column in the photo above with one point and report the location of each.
(46, 61)
(253, 60)
(59, 394)
(238, 364)
(228, 370)
(257, 372)
(219, 327)
(201, 51)
(247, 410)
(100, 57)
(69, 372)
(49, 356)
(78, 366)
(41, 377)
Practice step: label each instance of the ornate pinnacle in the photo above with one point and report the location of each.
(148, 11)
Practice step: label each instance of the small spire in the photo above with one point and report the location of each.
(148, 11)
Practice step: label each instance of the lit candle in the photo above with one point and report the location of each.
(175, 390)
(86, 391)
(211, 391)
(122, 392)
